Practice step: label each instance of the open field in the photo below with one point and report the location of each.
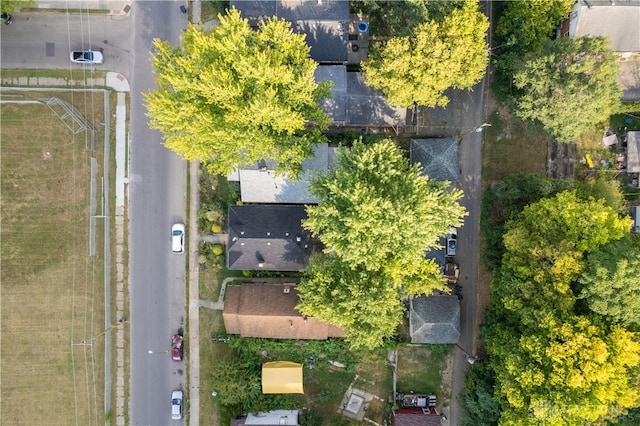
(52, 291)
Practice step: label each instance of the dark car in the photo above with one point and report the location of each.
(177, 348)
(6, 19)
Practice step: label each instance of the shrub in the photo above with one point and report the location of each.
(217, 249)
(216, 228)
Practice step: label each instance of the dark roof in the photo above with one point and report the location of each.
(268, 237)
(438, 157)
(434, 319)
(326, 23)
(269, 310)
(415, 417)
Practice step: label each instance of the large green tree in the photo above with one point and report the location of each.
(611, 282)
(526, 24)
(569, 86)
(232, 96)
(378, 213)
(363, 302)
(569, 372)
(439, 55)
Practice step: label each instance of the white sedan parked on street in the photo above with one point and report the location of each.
(86, 57)
(176, 404)
(177, 238)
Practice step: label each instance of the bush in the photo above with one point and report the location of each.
(217, 249)
(216, 228)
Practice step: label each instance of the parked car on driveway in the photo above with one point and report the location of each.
(176, 404)
(86, 57)
(452, 243)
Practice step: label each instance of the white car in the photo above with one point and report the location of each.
(177, 238)
(86, 57)
(452, 243)
(176, 404)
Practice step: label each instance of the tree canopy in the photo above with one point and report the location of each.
(437, 56)
(526, 24)
(232, 96)
(377, 212)
(566, 76)
(363, 302)
(376, 218)
(562, 365)
(611, 282)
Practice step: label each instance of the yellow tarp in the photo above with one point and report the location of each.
(282, 377)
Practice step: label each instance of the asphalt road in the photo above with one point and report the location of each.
(157, 193)
(44, 40)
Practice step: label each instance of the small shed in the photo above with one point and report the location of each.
(438, 157)
(282, 377)
(434, 319)
(633, 152)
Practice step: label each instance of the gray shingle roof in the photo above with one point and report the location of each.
(438, 157)
(268, 237)
(326, 23)
(633, 152)
(259, 183)
(434, 319)
(619, 23)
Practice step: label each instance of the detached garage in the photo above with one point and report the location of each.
(282, 377)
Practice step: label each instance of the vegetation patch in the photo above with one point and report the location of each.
(420, 367)
(52, 297)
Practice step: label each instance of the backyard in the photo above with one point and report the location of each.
(52, 294)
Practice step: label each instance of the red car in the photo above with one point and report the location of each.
(177, 348)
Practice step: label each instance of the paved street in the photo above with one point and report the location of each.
(157, 200)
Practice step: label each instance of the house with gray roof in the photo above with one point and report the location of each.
(619, 22)
(268, 237)
(325, 23)
(353, 103)
(434, 319)
(260, 184)
(438, 157)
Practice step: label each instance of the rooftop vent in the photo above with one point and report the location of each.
(287, 290)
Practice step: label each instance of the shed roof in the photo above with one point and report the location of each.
(438, 157)
(268, 237)
(633, 152)
(282, 377)
(269, 310)
(434, 319)
(415, 417)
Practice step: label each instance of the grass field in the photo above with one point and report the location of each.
(52, 297)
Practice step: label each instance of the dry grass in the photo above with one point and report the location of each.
(510, 147)
(51, 291)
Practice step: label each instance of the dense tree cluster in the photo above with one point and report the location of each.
(233, 95)
(557, 352)
(437, 55)
(376, 218)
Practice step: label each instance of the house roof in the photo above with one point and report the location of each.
(268, 237)
(618, 22)
(415, 417)
(633, 152)
(259, 183)
(434, 319)
(269, 310)
(282, 377)
(325, 23)
(438, 157)
(353, 102)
